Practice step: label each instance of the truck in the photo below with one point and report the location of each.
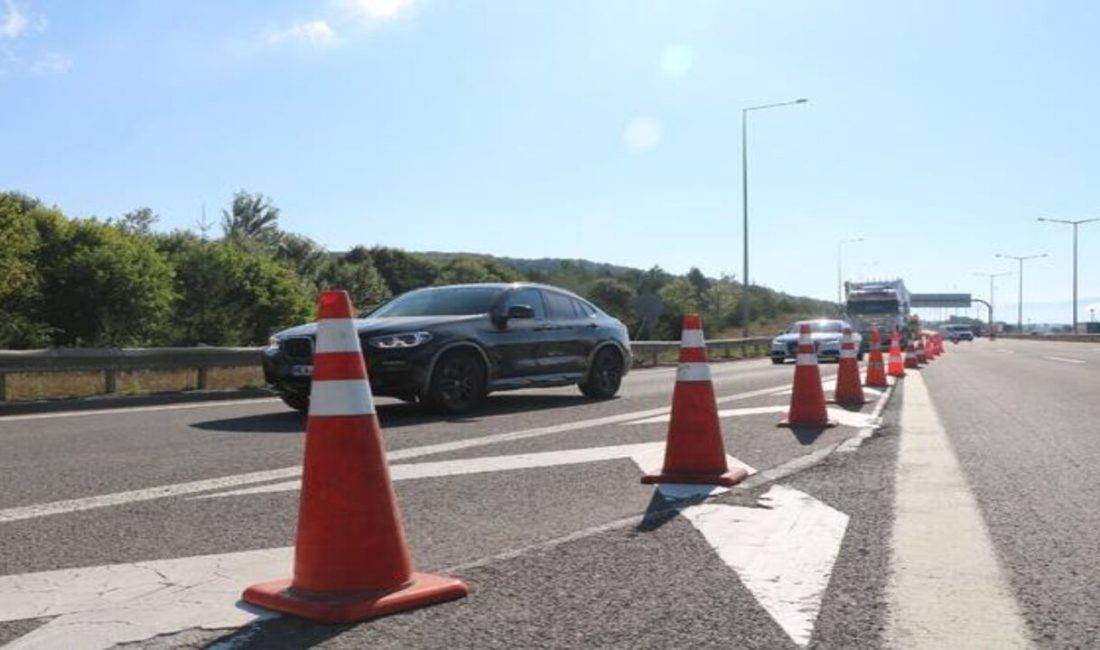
(881, 303)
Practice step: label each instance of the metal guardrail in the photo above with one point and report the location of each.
(1077, 338)
(724, 348)
(112, 361)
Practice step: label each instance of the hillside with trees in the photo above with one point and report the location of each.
(119, 282)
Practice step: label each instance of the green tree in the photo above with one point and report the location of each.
(462, 270)
(615, 297)
(20, 290)
(229, 295)
(252, 219)
(403, 271)
(136, 222)
(101, 286)
(356, 274)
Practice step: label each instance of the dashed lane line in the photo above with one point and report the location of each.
(1064, 360)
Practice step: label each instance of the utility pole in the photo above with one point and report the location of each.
(1020, 299)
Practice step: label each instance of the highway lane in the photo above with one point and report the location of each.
(1024, 419)
(452, 521)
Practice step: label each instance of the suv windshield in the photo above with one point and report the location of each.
(445, 301)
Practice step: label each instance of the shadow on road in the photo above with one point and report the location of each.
(806, 436)
(396, 415)
(660, 511)
(281, 632)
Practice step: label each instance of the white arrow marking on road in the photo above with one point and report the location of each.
(100, 607)
(124, 603)
(844, 416)
(783, 551)
(647, 456)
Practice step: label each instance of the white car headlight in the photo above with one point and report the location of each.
(401, 340)
(273, 343)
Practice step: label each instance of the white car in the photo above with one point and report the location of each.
(826, 334)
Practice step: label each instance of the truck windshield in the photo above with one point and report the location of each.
(872, 306)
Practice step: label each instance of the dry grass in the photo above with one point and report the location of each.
(45, 385)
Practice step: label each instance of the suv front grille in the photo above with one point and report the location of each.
(298, 347)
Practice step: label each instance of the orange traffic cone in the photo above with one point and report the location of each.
(896, 368)
(922, 357)
(848, 389)
(807, 407)
(911, 360)
(350, 560)
(694, 452)
(876, 372)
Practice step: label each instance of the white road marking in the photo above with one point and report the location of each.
(139, 409)
(126, 603)
(100, 607)
(947, 590)
(647, 455)
(783, 552)
(194, 487)
(844, 416)
(1064, 360)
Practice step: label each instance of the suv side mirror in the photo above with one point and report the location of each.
(520, 311)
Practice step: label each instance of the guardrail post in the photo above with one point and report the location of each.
(201, 379)
(3, 387)
(110, 380)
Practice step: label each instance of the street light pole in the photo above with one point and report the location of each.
(839, 246)
(1020, 299)
(1074, 224)
(992, 332)
(745, 204)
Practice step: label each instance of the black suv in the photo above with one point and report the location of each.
(449, 346)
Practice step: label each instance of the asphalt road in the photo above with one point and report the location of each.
(565, 550)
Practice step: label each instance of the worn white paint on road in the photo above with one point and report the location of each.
(783, 552)
(1064, 360)
(947, 590)
(844, 416)
(207, 485)
(648, 456)
(100, 607)
(107, 605)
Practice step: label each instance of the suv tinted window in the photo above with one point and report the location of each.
(445, 301)
(584, 309)
(530, 297)
(560, 306)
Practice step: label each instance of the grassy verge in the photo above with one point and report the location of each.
(48, 385)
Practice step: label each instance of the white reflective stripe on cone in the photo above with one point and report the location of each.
(847, 353)
(341, 397)
(806, 360)
(337, 335)
(693, 372)
(692, 339)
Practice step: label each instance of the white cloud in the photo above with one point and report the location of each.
(14, 22)
(642, 133)
(53, 63)
(313, 32)
(378, 10)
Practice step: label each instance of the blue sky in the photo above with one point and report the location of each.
(937, 131)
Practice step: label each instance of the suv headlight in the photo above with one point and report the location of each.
(402, 340)
(273, 343)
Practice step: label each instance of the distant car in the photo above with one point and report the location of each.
(449, 346)
(826, 336)
(958, 332)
